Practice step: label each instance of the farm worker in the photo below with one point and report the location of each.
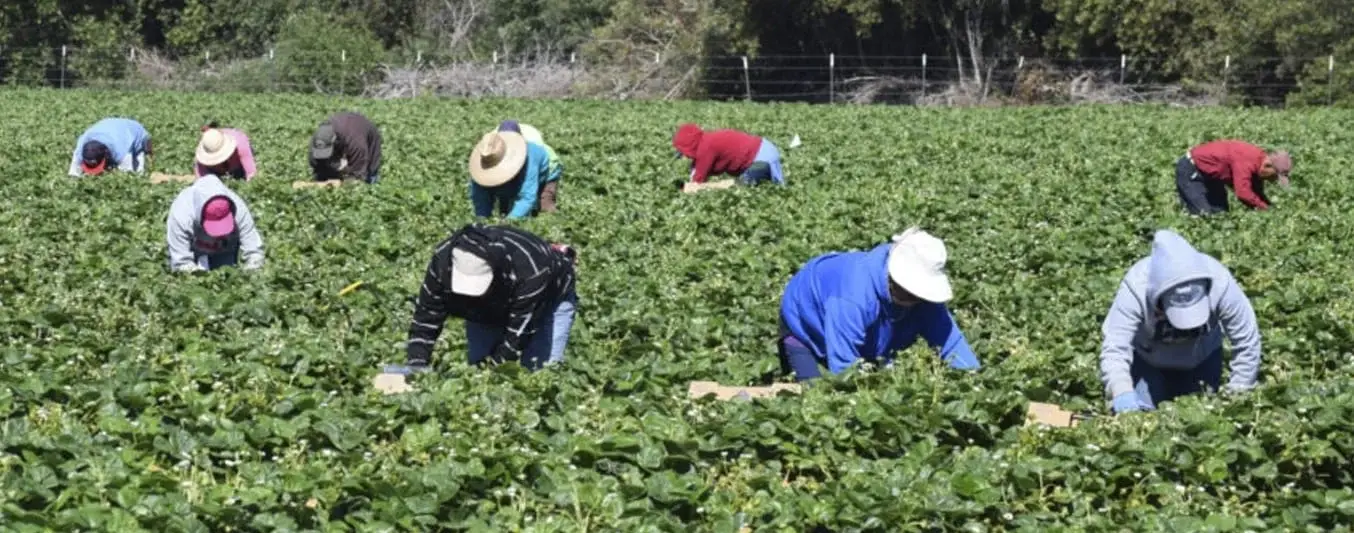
(754, 159)
(118, 141)
(845, 306)
(209, 227)
(224, 152)
(514, 290)
(1163, 334)
(507, 170)
(554, 169)
(346, 146)
(1204, 172)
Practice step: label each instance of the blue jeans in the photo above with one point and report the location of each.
(1155, 385)
(545, 347)
(765, 166)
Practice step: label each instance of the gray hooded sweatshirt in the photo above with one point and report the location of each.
(190, 246)
(1137, 327)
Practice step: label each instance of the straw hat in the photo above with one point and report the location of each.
(497, 158)
(215, 147)
(916, 263)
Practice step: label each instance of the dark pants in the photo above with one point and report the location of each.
(1156, 385)
(796, 357)
(548, 194)
(1198, 193)
(758, 173)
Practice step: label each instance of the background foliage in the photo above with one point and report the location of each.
(1286, 44)
(133, 400)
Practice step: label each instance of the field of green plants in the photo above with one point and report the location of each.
(134, 400)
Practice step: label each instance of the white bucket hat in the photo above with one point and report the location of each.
(917, 264)
(497, 158)
(215, 147)
(471, 274)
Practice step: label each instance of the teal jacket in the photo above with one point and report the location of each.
(522, 192)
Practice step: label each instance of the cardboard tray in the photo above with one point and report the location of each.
(700, 389)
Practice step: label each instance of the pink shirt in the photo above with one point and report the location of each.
(243, 160)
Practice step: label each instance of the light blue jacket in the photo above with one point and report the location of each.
(839, 306)
(125, 138)
(522, 191)
(1136, 326)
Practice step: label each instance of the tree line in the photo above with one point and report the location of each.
(1279, 50)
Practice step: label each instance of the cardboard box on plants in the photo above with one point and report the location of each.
(700, 389)
(1051, 415)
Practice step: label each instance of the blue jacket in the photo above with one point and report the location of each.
(522, 191)
(839, 306)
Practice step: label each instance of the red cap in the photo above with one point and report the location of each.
(217, 218)
(93, 170)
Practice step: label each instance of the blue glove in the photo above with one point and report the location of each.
(1126, 402)
(404, 369)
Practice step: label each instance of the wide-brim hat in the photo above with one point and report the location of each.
(497, 158)
(916, 263)
(215, 147)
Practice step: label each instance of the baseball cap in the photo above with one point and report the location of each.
(1283, 164)
(1187, 304)
(93, 158)
(509, 125)
(471, 274)
(218, 220)
(322, 144)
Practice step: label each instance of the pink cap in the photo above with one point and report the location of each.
(217, 218)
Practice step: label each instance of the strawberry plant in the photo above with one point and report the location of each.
(134, 400)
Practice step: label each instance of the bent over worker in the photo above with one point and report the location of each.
(121, 142)
(507, 170)
(514, 290)
(549, 195)
(209, 226)
(346, 146)
(1204, 172)
(224, 152)
(753, 159)
(845, 306)
(1164, 331)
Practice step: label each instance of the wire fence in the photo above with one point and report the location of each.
(827, 78)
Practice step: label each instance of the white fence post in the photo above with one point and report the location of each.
(747, 81)
(923, 75)
(832, 78)
(1330, 79)
(1226, 69)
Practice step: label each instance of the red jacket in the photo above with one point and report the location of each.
(716, 152)
(1234, 162)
